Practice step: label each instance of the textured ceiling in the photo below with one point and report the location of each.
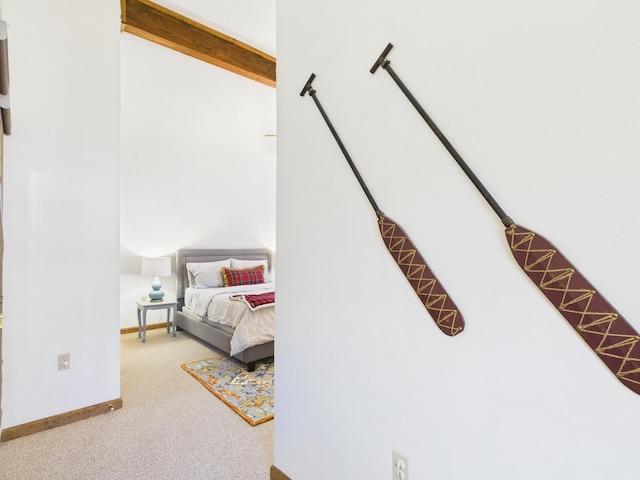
(250, 21)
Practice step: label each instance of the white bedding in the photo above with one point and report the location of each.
(251, 327)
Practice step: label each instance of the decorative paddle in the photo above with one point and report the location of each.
(430, 292)
(606, 332)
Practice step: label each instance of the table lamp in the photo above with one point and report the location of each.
(156, 267)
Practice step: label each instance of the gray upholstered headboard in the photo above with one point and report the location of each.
(211, 255)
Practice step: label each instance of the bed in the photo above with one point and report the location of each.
(207, 310)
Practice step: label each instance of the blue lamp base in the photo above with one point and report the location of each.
(156, 294)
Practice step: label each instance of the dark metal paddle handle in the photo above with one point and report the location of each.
(386, 65)
(312, 94)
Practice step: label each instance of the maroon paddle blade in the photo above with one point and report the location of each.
(598, 323)
(429, 290)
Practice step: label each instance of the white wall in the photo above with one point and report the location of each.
(195, 168)
(61, 208)
(192, 170)
(541, 99)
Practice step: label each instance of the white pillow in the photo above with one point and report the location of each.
(206, 274)
(235, 263)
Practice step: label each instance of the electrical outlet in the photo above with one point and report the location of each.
(400, 466)
(64, 361)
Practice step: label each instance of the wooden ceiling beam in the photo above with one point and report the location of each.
(170, 29)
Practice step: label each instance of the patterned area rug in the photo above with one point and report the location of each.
(249, 394)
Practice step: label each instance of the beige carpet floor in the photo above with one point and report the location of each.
(169, 428)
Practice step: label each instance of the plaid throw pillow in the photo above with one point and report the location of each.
(243, 276)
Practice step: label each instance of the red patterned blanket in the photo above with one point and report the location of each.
(256, 301)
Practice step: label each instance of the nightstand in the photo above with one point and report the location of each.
(142, 315)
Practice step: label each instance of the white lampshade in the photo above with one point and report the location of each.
(156, 267)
